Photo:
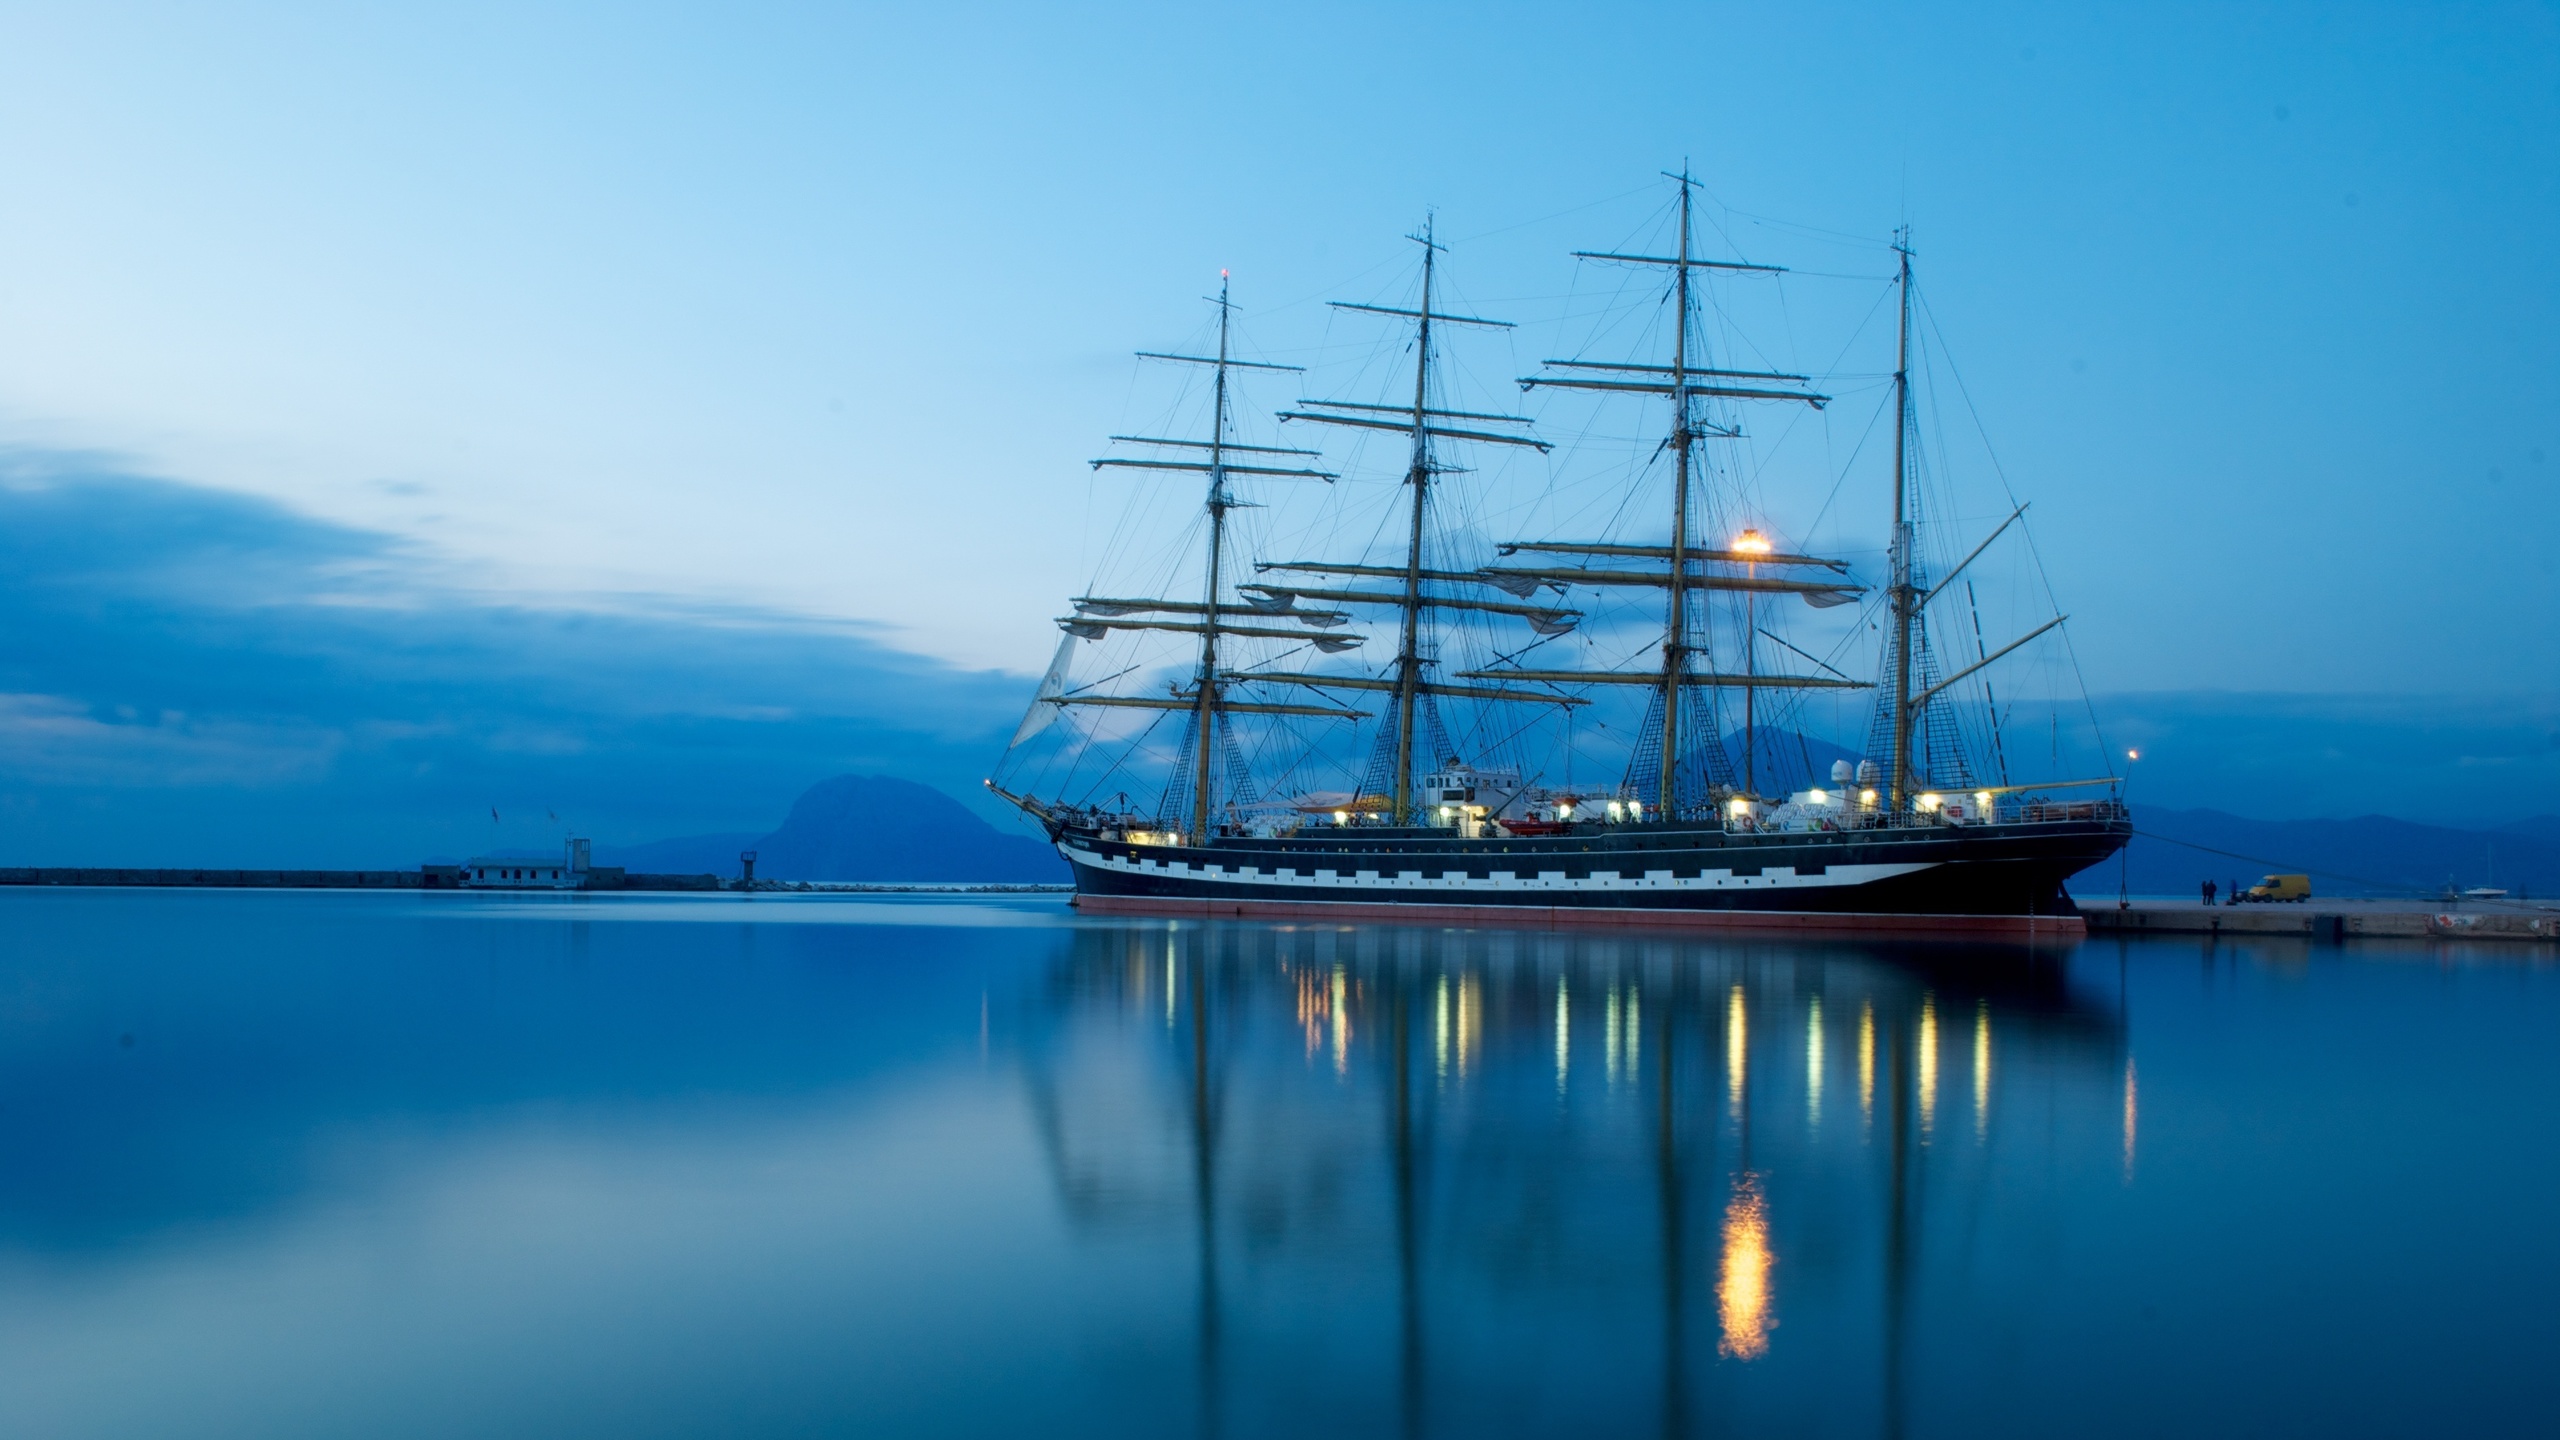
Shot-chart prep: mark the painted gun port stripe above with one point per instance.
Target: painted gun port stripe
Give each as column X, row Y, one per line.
column 1508, row 880
column 2034, row 929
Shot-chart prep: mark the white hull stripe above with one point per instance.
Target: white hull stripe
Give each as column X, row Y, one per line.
column 1773, row 877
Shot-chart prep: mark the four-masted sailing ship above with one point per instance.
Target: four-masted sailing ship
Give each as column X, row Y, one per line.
column 1906, row 838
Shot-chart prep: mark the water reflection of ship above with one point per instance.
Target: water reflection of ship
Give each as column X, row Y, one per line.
column 1513, row 1102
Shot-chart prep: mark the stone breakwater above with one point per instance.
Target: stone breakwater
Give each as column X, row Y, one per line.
column 431, row 877
column 2331, row 920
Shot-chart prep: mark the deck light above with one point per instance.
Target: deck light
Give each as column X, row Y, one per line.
column 1617, row 811
column 1564, row 812
column 1635, row 809
column 1820, row 797
column 1930, row 803
column 1752, row 542
column 1982, row 798
column 1341, row 817
column 1866, row 797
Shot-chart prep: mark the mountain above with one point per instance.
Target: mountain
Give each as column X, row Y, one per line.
column 871, row 827
column 859, row 827
column 1783, row 761
column 2367, row 855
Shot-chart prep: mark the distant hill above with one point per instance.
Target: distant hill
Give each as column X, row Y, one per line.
column 1782, row 761
column 2369, row 854
column 871, row 827
column 859, row 827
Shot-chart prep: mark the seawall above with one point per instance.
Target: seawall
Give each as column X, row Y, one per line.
column 2330, row 920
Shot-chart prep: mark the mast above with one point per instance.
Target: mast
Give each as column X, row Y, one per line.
column 1675, row 628
column 1409, row 646
column 1904, row 594
column 1099, row 616
column 1681, row 383
column 1750, row 692
column 1423, row 423
column 1207, row 685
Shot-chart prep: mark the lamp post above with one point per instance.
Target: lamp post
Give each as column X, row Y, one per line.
column 2124, row 857
column 1753, row 543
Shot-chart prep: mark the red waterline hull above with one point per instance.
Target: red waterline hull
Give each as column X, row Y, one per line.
column 1577, row 917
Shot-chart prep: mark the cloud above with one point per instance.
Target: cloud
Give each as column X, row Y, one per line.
column 201, row 677
column 66, row 742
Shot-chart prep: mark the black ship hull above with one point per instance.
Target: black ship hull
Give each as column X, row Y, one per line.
column 1995, row 877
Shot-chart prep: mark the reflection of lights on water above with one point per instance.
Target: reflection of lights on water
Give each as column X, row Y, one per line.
column 1168, row 982
column 1737, row 1047
column 2130, row 1091
column 1470, row 1022
column 1564, row 1032
column 1609, row 1036
column 1928, row 1061
column 1619, row 1042
column 1468, row 1028
column 1341, row 1022
column 1866, row 1061
column 1440, row 1029
column 1630, row 1020
column 1813, row 1062
column 1981, row 1069
column 1742, row 1289
column 1315, row 1010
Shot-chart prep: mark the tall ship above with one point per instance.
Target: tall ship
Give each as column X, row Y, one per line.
column 1255, row 732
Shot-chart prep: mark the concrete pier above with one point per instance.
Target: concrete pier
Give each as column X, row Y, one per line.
column 2332, row 919
column 430, row 877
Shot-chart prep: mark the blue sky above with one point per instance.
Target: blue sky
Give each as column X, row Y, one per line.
column 690, row 351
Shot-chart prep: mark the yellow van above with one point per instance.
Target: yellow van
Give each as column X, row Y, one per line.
column 2280, row 887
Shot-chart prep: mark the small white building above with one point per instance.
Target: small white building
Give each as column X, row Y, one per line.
column 519, row 872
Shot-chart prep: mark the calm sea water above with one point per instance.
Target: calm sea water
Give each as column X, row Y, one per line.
column 330, row 1165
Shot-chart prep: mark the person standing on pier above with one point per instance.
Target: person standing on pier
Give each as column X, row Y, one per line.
column 2208, row 894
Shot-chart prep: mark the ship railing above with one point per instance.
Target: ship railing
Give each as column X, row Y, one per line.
column 2030, row 812
column 2058, row 811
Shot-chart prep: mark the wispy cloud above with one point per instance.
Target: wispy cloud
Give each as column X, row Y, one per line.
column 199, row 676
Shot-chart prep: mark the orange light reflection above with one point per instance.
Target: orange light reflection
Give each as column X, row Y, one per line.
column 1742, row 1289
